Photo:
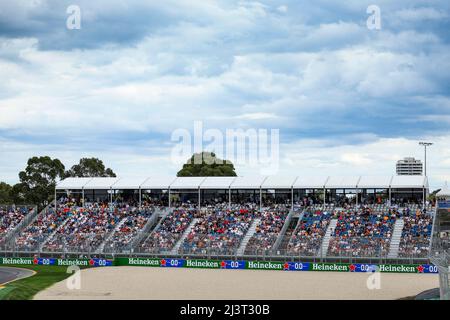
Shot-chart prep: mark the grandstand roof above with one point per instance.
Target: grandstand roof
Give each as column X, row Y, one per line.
column 158, row 183
column 377, row 182
column 72, row 183
column 248, row 182
column 409, row 182
column 342, row 182
column 278, row 182
column 187, row 183
column 445, row 191
column 131, row 183
column 217, row 182
column 100, row 183
column 315, row 182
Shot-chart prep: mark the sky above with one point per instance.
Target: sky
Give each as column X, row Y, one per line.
column 346, row 99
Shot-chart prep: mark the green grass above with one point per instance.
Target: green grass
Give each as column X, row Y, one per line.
column 26, row 289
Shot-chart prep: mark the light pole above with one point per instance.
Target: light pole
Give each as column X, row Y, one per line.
column 425, row 145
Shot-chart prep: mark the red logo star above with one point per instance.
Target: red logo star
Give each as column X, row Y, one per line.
column 420, row 269
column 163, row 262
column 35, row 261
column 91, row 262
column 352, row 268
column 223, row 264
column 286, row 266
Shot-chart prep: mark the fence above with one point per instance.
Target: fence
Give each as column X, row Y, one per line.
column 85, row 249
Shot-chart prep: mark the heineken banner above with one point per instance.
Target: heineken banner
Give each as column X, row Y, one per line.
column 224, row 264
column 271, row 265
column 56, row 262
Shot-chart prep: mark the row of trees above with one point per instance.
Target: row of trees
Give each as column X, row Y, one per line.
column 38, row 180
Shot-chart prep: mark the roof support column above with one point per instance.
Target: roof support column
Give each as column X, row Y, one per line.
column 229, row 197
column 424, row 198
column 292, row 198
column 170, row 202
column 82, row 191
column 140, row 197
column 199, row 205
column 390, row 196
column 260, row 199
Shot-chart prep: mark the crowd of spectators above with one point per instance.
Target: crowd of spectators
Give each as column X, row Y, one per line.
column 10, row 218
column 134, row 222
column 85, row 228
column 362, row 233
column 416, row 235
column 219, row 231
column 170, row 230
column 41, row 228
column 268, row 230
column 307, row 238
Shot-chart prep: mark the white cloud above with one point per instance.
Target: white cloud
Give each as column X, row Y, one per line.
column 420, row 14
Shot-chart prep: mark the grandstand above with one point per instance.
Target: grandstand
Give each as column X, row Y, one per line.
column 319, row 218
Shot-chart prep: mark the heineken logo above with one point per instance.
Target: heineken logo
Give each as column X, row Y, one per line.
column 329, row 267
column 23, row 261
column 202, row 264
column 266, row 265
column 143, row 262
column 76, row 262
column 400, row 268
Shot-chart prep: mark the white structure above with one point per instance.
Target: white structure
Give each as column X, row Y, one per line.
column 285, row 189
column 409, row 167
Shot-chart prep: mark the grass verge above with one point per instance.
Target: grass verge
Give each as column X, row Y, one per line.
column 26, row 289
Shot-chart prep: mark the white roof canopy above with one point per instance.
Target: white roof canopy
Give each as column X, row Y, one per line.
column 72, row 183
column 187, row 183
column 158, row 183
column 217, row 182
column 128, row 183
column 317, row 182
column 278, row 182
column 342, row 182
column 100, row 183
column 248, row 182
column 376, row 182
column 409, row 182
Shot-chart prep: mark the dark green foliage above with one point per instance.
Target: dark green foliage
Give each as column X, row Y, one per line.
column 90, row 167
column 206, row 164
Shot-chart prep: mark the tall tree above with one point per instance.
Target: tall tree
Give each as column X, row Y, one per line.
column 206, row 164
column 38, row 180
column 90, row 167
column 5, row 193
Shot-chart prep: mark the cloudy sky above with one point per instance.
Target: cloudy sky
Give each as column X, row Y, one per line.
column 346, row 100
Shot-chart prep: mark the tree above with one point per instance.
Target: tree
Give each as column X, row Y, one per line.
column 5, row 193
column 206, row 164
column 38, row 180
column 90, row 167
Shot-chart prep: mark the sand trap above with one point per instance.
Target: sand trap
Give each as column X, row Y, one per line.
column 161, row 283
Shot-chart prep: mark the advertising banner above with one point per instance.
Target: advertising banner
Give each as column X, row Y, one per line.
column 226, row 264
column 56, row 262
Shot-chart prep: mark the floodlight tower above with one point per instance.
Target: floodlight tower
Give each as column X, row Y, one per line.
column 425, row 145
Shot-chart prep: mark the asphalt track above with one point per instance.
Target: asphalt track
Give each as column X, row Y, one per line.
column 8, row 274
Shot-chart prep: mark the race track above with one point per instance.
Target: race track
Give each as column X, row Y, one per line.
column 161, row 283
column 8, row 274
